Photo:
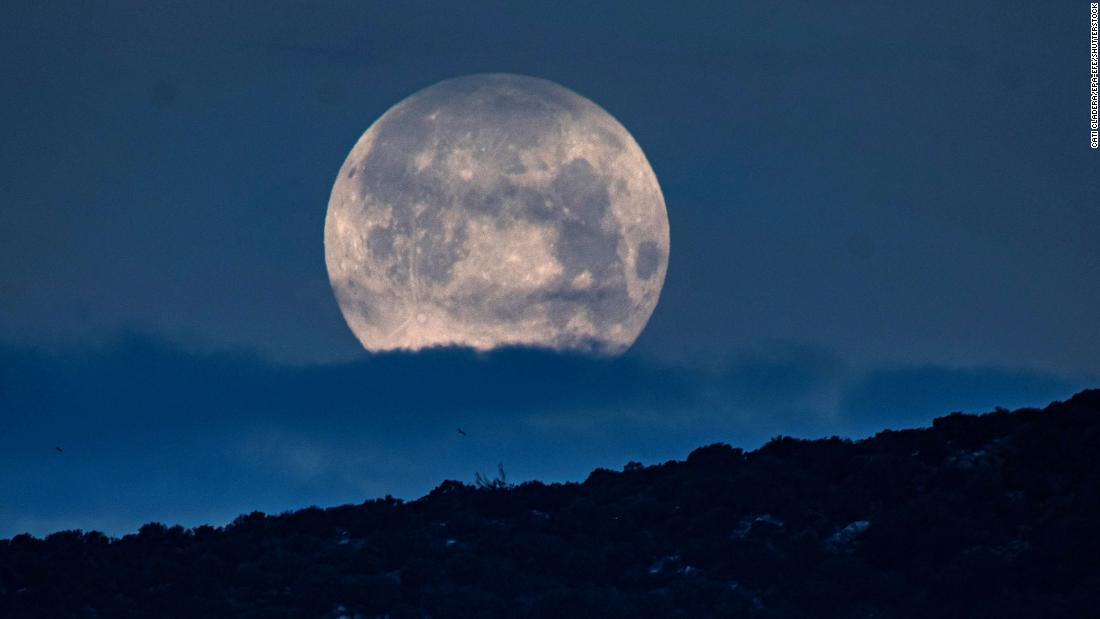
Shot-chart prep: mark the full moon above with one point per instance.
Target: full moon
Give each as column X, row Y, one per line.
column 496, row 210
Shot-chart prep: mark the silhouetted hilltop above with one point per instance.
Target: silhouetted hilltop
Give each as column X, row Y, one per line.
column 996, row 515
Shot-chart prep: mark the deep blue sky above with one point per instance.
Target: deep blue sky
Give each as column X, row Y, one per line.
column 880, row 212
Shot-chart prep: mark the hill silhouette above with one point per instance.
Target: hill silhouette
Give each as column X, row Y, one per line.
column 994, row 515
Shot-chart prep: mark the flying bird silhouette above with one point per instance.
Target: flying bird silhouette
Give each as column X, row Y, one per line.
column 461, row 431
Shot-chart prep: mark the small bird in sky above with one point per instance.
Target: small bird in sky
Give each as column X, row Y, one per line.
column 461, row 431
column 59, row 450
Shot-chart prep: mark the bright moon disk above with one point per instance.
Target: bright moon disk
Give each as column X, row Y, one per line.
column 496, row 210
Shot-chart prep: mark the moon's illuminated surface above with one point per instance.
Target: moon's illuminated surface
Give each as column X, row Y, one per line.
column 496, row 210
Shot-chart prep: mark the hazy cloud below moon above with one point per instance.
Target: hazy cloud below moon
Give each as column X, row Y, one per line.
column 496, row 210
column 152, row 432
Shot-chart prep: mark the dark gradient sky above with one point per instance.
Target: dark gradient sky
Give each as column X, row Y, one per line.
column 879, row 213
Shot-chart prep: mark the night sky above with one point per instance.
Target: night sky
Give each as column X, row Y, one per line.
column 879, row 213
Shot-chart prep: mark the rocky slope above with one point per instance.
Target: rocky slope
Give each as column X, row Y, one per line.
column 996, row 515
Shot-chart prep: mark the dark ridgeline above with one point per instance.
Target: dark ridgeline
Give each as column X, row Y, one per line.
column 996, row 515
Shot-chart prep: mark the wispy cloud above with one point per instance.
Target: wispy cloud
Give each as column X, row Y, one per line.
column 152, row 432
